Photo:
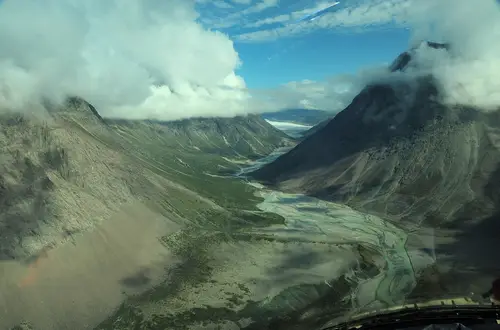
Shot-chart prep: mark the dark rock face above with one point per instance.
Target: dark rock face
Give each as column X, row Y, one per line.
column 397, row 151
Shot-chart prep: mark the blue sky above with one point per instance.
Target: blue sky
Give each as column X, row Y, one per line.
column 290, row 49
column 317, row 55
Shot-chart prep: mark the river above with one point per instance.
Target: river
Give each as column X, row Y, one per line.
column 328, row 222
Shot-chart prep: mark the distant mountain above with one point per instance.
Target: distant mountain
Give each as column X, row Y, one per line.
column 298, row 116
column 244, row 136
column 399, row 153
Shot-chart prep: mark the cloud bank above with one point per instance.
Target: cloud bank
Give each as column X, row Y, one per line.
column 138, row 59
column 152, row 59
column 333, row 94
column 130, row 58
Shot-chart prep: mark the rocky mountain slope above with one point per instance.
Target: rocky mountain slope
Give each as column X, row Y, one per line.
column 397, row 151
column 86, row 204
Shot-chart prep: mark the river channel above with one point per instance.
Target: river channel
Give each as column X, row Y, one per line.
column 322, row 221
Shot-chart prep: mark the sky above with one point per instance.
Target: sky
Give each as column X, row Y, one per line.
column 292, row 47
column 172, row 59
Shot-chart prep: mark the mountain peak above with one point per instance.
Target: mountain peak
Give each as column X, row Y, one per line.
column 78, row 104
column 75, row 107
column 403, row 61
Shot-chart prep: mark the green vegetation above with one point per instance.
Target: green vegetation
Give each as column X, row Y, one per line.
column 201, row 171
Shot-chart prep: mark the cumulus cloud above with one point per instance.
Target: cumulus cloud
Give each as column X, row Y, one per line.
column 131, row 58
column 333, row 94
column 470, row 72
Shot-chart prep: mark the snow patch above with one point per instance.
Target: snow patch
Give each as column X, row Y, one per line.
column 283, row 125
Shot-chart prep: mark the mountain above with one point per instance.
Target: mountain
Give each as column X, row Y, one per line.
column 397, row 151
column 298, row 116
column 246, row 136
column 87, row 204
column 431, row 169
column 75, row 152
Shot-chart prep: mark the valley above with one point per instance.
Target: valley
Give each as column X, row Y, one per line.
column 192, row 241
column 242, row 275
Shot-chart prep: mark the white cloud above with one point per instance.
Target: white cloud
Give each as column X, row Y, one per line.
column 333, row 94
column 269, row 20
column 470, row 72
column 240, row 16
column 260, row 6
column 364, row 14
column 150, row 58
column 131, row 58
